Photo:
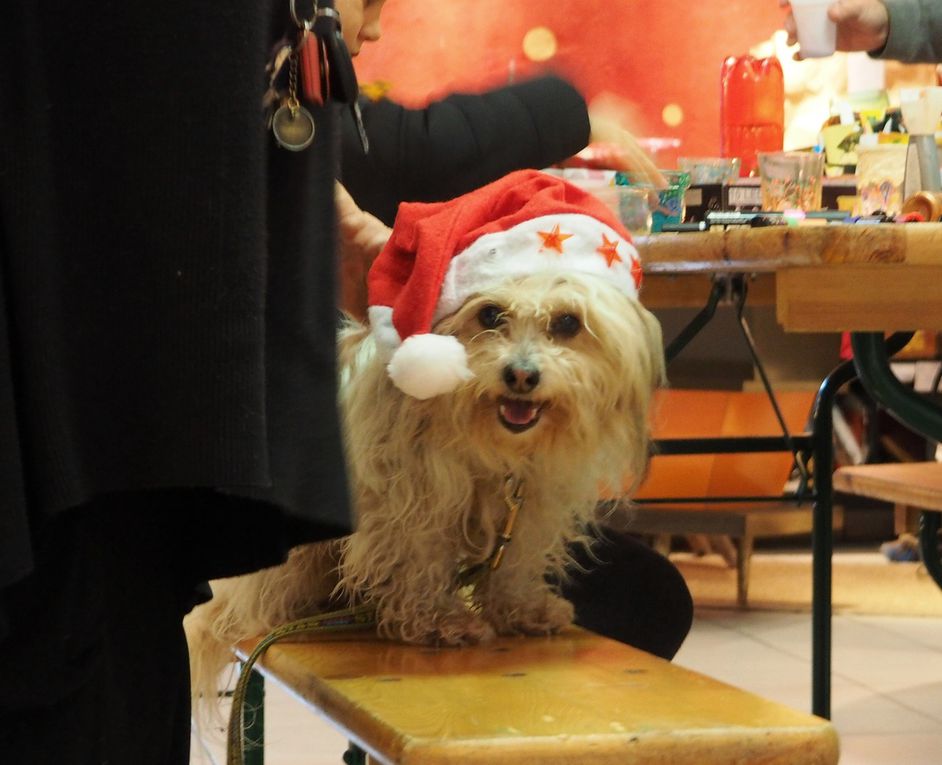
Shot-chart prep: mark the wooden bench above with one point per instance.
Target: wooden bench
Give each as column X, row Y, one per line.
column 907, row 485
column 572, row 699
column 916, row 484
column 689, row 478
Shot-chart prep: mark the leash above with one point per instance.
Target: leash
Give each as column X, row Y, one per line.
column 348, row 619
column 513, row 499
column 356, row 618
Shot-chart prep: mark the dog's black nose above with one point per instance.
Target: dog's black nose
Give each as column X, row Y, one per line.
column 522, row 377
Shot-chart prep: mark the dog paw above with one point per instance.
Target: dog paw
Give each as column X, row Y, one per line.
column 453, row 629
column 544, row 616
column 463, row 630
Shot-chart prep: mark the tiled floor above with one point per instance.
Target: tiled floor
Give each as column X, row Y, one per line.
column 886, row 687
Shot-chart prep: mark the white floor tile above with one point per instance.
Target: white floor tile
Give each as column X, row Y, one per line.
column 919, row 631
column 871, row 713
column 886, row 688
column 925, row 698
column 898, row 749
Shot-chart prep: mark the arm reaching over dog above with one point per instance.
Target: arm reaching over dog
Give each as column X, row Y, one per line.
column 459, row 142
column 467, row 140
column 361, row 236
column 610, row 119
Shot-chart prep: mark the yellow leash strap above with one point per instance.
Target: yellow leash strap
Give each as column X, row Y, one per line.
column 355, row 618
column 347, row 619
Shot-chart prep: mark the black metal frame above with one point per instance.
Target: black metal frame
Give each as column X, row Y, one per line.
column 871, row 366
column 733, row 289
column 253, row 717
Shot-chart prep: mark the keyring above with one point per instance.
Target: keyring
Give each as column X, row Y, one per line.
column 303, row 23
column 330, row 12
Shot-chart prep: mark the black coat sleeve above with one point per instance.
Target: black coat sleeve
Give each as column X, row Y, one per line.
column 459, row 143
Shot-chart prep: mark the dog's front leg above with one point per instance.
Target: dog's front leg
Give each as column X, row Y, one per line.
column 413, row 587
column 423, row 611
column 516, row 599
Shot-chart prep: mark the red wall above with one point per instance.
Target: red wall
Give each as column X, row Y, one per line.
column 653, row 53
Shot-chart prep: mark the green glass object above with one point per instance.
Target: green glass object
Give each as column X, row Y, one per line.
column 670, row 205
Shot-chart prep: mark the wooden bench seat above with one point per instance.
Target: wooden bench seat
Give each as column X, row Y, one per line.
column 917, row 484
column 910, row 485
column 572, row 699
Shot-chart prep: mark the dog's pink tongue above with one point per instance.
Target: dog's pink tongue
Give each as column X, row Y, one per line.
column 518, row 412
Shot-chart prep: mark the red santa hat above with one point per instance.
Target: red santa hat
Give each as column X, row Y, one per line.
column 441, row 254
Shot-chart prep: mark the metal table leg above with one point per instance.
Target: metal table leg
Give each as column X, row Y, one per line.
column 822, row 544
column 717, row 292
column 822, row 537
column 354, row 755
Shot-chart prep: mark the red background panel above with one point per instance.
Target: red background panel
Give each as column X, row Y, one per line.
column 651, row 53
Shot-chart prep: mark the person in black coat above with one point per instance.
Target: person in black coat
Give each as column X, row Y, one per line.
column 167, row 360
column 465, row 140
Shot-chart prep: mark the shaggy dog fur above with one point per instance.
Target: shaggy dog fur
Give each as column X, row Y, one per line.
column 564, row 367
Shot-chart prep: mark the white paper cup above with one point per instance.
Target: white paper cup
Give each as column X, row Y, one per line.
column 817, row 34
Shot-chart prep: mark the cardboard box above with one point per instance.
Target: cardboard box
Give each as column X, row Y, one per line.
column 744, row 195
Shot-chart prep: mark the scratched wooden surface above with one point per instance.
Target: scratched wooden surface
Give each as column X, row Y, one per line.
column 918, row 484
column 572, row 699
column 833, row 277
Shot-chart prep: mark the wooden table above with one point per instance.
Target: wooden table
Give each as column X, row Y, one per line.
column 572, row 699
column 864, row 279
column 828, row 278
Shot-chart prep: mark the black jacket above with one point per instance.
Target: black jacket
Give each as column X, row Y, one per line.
column 459, row 143
column 167, row 311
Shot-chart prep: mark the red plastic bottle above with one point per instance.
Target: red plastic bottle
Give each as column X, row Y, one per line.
column 752, row 109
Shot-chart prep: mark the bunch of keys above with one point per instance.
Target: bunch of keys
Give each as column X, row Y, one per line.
column 316, row 54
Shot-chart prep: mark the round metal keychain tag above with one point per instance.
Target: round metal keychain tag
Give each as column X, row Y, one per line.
column 293, row 127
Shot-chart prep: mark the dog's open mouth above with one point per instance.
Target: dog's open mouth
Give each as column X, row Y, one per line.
column 518, row 415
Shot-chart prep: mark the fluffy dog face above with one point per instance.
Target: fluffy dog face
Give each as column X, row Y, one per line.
column 559, row 361
column 564, row 368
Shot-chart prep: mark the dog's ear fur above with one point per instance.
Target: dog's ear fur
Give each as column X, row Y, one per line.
column 655, row 346
column 349, row 339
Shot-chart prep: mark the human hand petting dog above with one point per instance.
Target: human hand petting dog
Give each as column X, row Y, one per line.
column 610, row 120
column 361, row 236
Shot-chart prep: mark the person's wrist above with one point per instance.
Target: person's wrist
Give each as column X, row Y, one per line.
column 883, row 28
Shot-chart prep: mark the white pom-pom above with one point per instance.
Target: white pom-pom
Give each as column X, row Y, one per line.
column 429, row 365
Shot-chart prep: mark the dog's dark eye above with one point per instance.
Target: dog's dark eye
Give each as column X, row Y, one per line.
column 565, row 325
column 491, row 316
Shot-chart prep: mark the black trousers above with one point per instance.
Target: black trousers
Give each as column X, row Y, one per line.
column 629, row 592
column 94, row 665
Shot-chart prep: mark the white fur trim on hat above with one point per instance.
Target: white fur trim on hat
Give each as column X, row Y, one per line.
column 428, row 365
column 516, row 252
column 384, row 332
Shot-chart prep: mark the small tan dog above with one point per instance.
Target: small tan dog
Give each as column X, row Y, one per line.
column 508, row 366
